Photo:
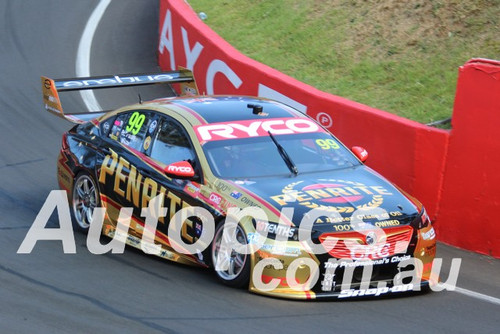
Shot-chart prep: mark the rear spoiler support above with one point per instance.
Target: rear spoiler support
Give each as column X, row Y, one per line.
column 52, row 87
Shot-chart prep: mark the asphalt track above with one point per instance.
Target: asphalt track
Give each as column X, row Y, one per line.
column 51, row 292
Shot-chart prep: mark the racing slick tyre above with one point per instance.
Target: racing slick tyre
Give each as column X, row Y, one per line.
column 234, row 267
column 84, row 199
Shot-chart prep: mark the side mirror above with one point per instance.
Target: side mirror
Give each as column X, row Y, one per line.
column 360, row 152
column 179, row 170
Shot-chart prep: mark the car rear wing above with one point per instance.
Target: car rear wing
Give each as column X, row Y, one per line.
column 52, row 87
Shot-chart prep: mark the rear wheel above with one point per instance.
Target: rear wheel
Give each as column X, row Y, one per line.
column 85, row 198
column 234, row 267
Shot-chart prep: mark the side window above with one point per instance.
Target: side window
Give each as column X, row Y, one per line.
column 171, row 143
column 106, row 126
column 134, row 129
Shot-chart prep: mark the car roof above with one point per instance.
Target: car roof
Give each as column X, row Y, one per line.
column 215, row 109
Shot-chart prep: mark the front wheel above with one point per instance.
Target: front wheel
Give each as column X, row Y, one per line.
column 84, row 199
column 231, row 266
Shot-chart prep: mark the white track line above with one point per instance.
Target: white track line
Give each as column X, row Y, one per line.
column 473, row 294
column 83, row 70
column 83, row 54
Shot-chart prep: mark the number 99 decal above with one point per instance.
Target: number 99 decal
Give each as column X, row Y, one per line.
column 327, row 144
column 135, row 123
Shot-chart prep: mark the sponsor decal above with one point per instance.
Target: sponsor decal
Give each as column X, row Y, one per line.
column 50, row 98
column 152, row 126
column 343, row 263
column 236, row 194
column 116, row 80
column 255, row 128
column 192, row 188
column 332, row 194
column 275, row 229
column 348, row 227
column 134, row 187
column 198, row 228
column 222, row 187
column 429, row 235
column 147, row 142
column 136, row 242
column 275, row 248
column 375, row 291
column 284, row 266
column 180, row 169
column 215, row 199
column 249, row 201
column 386, row 223
column 47, row 107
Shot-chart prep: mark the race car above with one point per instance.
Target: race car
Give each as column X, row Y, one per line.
column 248, row 186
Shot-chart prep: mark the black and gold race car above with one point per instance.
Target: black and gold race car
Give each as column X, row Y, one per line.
column 284, row 208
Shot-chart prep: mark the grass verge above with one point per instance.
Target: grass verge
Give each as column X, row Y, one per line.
column 398, row 56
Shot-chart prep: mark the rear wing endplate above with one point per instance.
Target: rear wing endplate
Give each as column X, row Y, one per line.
column 52, row 87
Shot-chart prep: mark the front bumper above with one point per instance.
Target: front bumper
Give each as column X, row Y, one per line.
column 346, row 278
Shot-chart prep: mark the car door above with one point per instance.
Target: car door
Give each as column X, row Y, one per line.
column 124, row 173
column 171, row 144
column 137, row 147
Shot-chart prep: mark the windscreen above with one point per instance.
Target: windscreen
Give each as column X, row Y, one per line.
column 259, row 156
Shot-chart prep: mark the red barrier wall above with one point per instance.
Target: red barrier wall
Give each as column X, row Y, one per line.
column 470, row 205
column 410, row 154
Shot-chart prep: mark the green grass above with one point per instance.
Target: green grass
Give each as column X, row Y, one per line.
column 402, row 57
